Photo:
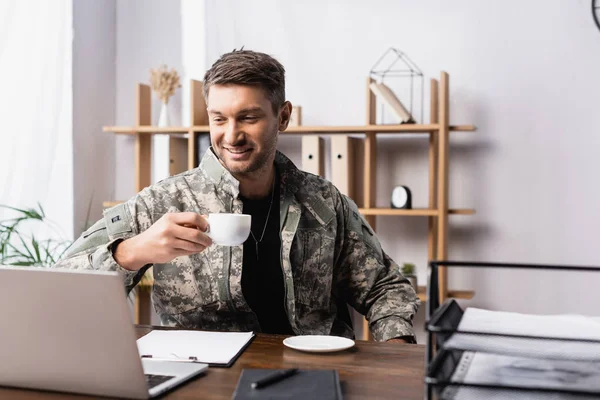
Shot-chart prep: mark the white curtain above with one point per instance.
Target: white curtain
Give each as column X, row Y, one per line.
column 36, row 157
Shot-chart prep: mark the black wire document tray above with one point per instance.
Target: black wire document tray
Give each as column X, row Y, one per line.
column 500, row 355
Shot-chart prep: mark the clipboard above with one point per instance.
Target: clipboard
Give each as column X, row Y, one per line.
column 195, row 346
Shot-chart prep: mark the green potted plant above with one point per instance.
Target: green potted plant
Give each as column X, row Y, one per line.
column 408, row 270
column 20, row 247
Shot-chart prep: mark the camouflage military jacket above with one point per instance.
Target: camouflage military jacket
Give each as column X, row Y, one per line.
column 329, row 256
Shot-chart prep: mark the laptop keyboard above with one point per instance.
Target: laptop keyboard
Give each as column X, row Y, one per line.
column 155, row 380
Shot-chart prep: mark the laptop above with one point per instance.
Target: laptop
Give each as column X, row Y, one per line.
column 71, row 331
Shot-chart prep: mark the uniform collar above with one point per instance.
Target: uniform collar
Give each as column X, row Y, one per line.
column 218, row 174
column 221, row 177
column 294, row 186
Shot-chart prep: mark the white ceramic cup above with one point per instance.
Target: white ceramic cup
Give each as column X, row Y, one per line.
column 229, row 229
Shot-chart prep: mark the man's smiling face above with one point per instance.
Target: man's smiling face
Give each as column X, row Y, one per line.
column 243, row 127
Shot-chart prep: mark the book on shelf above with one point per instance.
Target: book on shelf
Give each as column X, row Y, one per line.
column 347, row 166
column 313, row 155
column 385, row 94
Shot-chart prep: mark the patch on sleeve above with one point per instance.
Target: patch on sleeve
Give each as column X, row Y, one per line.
column 118, row 220
column 89, row 240
column 357, row 223
column 354, row 218
column 323, row 213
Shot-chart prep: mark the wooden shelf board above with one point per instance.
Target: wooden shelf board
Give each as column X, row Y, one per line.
column 415, row 212
column 463, row 128
column 147, row 283
column 463, row 211
column 294, row 130
column 421, row 291
column 404, row 128
column 456, row 294
column 132, row 130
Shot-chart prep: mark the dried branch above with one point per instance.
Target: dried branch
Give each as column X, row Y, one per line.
column 164, row 82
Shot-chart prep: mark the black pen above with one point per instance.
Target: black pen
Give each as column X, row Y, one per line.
column 274, row 377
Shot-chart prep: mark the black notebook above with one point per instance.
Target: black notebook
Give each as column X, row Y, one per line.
column 305, row 384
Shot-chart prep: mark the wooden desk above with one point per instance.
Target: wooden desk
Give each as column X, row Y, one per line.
column 370, row 370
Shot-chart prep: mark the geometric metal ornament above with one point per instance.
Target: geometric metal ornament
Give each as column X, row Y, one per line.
column 596, row 12
column 394, row 63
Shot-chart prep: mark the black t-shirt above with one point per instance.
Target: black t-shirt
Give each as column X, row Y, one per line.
column 262, row 276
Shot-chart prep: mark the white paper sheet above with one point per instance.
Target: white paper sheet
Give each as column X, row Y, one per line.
column 501, row 370
column 472, row 393
column 560, row 326
column 207, row 347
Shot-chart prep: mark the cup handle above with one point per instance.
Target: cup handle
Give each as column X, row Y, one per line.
column 207, row 231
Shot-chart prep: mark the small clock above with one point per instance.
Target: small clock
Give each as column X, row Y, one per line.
column 401, row 197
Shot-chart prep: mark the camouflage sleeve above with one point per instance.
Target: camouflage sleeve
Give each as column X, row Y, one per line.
column 94, row 248
column 370, row 280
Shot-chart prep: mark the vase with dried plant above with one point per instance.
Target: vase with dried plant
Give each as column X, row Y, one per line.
column 164, row 83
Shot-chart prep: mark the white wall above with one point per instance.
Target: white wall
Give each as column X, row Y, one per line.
column 193, row 49
column 94, row 94
column 524, row 72
column 148, row 35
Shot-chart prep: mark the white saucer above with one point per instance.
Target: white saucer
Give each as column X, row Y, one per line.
column 318, row 343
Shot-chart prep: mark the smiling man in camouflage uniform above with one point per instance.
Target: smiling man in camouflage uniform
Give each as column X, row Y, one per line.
column 310, row 252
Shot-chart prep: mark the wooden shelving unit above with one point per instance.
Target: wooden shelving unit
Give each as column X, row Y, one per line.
column 184, row 156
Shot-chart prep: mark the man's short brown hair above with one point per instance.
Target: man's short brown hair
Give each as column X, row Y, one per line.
column 246, row 67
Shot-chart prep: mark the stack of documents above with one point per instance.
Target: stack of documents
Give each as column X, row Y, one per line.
column 535, row 362
column 576, row 327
